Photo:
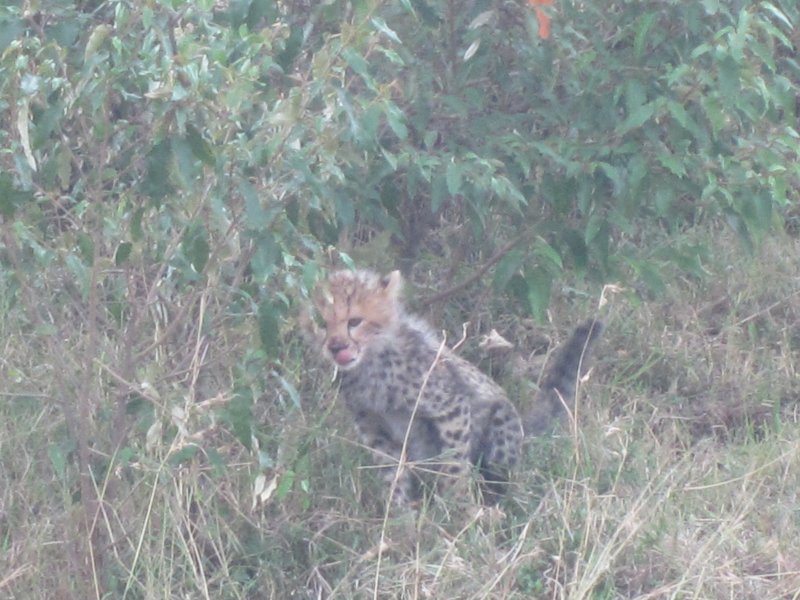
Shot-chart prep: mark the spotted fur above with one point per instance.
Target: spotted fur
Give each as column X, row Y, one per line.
column 406, row 390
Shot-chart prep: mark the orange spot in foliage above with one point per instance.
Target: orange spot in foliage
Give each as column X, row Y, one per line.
column 541, row 16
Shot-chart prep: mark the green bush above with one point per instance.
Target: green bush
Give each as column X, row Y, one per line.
column 175, row 175
column 262, row 133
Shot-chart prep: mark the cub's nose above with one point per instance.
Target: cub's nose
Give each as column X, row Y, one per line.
column 336, row 344
column 342, row 352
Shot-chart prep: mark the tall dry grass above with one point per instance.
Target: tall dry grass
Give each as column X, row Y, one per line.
column 125, row 474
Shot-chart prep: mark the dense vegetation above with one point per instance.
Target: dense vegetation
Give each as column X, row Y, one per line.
column 176, row 175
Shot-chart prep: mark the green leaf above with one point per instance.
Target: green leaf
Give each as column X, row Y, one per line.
column 715, row 113
column 508, row 266
column 122, row 253
column 544, row 250
column 156, row 183
column 740, row 227
column 256, row 216
column 453, row 177
column 539, row 282
column 778, row 14
column 184, row 455
column 638, row 170
column 46, row 123
column 10, row 197
column 126, row 456
column 429, row 16
column 67, row 31
column 80, row 273
column 345, row 210
column 381, row 26
column 643, row 27
column 664, row 200
column 637, row 118
column 239, row 413
column 729, row 79
column 96, row 39
column 292, row 392
column 757, row 209
column 614, row 175
column 672, row 163
column 395, row 118
column 195, row 246
column 285, row 485
column 598, row 239
column 186, row 167
column 200, row 147
column 266, row 256
column 86, row 248
column 357, row 62
column 321, row 228
column 593, row 227
column 680, row 115
column 217, row 462
column 651, row 278
column 57, row 459
column 291, row 48
column 269, row 314
column 577, row 247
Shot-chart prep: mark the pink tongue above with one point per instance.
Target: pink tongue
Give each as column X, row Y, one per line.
column 343, row 356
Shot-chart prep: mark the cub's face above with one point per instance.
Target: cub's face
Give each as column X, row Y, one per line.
column 359, row 310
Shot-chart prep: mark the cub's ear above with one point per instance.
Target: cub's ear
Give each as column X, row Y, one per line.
column 393, row 284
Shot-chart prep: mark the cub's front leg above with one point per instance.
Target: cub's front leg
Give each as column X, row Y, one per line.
column 401, row 482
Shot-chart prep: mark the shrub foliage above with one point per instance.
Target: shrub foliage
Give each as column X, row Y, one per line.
column 174, row 174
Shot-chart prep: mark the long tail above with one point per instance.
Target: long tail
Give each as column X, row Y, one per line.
column 558, row 384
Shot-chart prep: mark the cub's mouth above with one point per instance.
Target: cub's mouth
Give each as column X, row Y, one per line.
column 344, row 357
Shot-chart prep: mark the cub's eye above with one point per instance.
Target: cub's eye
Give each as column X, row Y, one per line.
column 355, row 322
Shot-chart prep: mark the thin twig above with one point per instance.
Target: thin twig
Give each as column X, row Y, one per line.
column 444, row 294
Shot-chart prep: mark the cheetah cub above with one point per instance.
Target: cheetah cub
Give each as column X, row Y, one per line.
column 408, row 393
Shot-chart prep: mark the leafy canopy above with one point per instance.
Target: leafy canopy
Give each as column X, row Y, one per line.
column 263, row 132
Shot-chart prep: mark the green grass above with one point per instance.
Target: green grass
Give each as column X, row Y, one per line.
column 209, row 471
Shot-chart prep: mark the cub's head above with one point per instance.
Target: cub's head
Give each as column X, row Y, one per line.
column 359, row 310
